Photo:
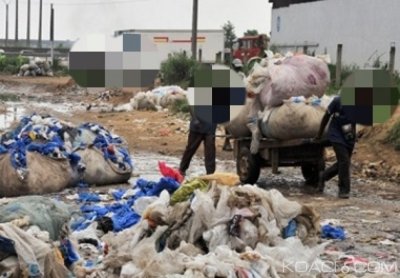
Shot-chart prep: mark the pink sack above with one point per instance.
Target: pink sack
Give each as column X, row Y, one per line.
column 299, row 75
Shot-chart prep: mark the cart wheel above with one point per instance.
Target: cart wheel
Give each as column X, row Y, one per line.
column 247, row 166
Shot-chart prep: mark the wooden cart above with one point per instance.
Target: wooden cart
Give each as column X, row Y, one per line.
column 273, row 153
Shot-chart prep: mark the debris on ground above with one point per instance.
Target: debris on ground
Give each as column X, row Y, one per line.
column 155, row 100
column 38, row 67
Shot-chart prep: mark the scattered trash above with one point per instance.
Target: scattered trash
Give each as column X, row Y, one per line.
column 331, row 232
column 387, row 242
column 38, row 67
column 185, row 191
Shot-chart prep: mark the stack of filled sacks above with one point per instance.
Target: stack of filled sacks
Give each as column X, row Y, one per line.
column 105, row 155
column 290, row 95
column 286, row 89
column 34, row 158
column 43, row 155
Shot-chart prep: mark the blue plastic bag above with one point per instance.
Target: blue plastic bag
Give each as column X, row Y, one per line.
column 89, row 197
column 331, row 232
column 124, row 217
column 290, row 229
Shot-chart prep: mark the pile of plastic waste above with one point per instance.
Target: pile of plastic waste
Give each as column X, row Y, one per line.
column 155, row 100
column 38, row 67
column 203, row 227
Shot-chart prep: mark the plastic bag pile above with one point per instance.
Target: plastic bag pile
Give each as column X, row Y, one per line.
column 206, row 229
column 194, row 228
column 38, row 67
column 155, row 100
column 43, row 154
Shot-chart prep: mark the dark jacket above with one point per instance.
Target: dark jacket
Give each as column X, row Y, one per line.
column 199, row 126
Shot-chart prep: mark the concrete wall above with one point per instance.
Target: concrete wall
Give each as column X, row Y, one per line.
column 366, row 28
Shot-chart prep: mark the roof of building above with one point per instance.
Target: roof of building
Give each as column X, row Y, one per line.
column 286, row 3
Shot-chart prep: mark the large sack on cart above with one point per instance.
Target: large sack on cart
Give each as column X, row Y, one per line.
column 104, row 154
column 296, row 118
column 298, row 75
column 42, row 175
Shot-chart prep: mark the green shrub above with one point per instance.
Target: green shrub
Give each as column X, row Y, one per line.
column 59, row 69
column 180, row 106
column 178, row 69
column 11, row 64
column 394, row 136
column 346, row 71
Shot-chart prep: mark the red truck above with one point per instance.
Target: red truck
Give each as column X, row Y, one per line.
column 248, row 47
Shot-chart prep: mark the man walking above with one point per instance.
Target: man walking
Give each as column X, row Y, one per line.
column 342, row 136
column 200, row 131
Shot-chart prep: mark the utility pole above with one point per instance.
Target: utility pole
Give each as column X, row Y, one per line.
column 194, row 29
column 52, row 33
column 40, row 23
column 6, row 23
column 28, row 30
column 16, row 20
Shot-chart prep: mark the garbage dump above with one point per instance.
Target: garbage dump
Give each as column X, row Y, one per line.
column 38, row 67
column 196, row 228
column 157, row 99
column 43, row 155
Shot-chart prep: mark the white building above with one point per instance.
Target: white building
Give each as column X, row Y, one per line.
column 366, row 28
column 209, row 42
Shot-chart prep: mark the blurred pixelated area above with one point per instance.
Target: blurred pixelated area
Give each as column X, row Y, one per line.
column 218, row 94
column 100, row 61
column 369, row 96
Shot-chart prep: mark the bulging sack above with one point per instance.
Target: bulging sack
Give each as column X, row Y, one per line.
column 294, row 119
column 100, row 171
column 43, row 174
column 299, row 75
column 238, row 126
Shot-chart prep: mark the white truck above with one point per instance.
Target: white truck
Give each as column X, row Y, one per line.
column 210, row 43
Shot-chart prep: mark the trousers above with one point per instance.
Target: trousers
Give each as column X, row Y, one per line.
column 194, row 141
column 341, row 167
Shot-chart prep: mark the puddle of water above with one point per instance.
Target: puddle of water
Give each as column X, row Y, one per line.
column 13, row 113
column 146, row 165
column 16, row 110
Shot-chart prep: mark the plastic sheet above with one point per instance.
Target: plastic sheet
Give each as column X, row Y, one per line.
column 48, row 214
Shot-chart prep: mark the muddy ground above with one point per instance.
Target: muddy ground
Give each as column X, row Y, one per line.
column 370, row 217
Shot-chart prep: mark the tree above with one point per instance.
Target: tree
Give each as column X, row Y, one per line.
column 251, row 32
column 229, row 34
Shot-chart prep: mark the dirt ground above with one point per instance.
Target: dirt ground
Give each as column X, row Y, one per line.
column 370, row 217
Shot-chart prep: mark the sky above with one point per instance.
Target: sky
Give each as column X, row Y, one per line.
column 75, row 18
